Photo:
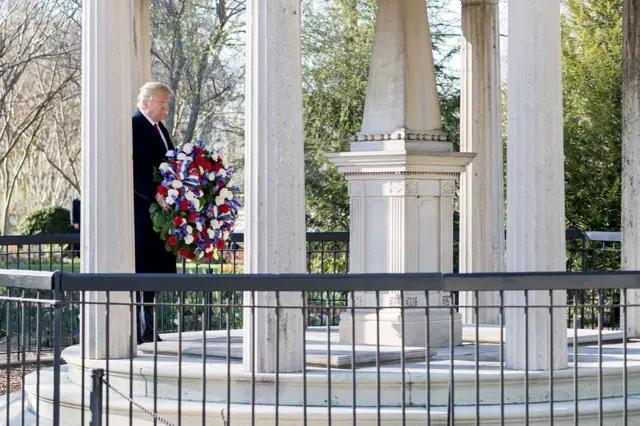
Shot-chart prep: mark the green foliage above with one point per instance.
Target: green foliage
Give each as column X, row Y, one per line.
column 48, row 220
column 336, row 42
column 592, row 78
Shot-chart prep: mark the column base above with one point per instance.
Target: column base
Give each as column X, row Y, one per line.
column 390, row 322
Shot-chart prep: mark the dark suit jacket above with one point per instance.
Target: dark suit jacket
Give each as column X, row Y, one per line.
column 148, row 153
column 75, row 211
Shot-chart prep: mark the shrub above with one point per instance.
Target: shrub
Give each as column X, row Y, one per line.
column 48, row 220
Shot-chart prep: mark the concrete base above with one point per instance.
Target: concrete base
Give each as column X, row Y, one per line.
column 392, row 333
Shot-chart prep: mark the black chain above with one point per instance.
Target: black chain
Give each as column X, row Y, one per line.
column 149, row 412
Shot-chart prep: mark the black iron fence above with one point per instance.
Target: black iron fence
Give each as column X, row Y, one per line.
column 327, row 253
column 411, row 376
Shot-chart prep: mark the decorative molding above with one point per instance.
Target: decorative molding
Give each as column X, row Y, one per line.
column 400, row 136
column 356, row 189
column 456, row 174
column 447, row 188
column 479, row 3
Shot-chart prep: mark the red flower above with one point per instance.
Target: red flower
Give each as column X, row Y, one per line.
column 178, row 221
column 203, row 234
column 206, row 165
column 220, row 244
column 223, row 209
column 199, row 151
column 191, row 255
column 208, row 255
column 184, row 205
column 171, row 240
column 199, row 160
column 216, row 167
column 182, row 252
column 192, row 217
column 162, row 190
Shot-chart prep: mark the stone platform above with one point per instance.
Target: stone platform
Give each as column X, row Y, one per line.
column 225, row 391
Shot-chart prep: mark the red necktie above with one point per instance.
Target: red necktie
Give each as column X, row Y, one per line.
column 158, row 129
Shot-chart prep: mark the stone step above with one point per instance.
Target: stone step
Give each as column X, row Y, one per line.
column 291, row 386
column 217, row 414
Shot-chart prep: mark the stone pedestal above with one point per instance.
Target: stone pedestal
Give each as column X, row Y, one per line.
column 274, row 183
column 631, row 158
column 107, row 172
column 482, row 187
column 401, row 221
column 535, row 182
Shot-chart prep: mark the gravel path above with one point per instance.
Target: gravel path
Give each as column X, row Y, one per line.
column 15, row 377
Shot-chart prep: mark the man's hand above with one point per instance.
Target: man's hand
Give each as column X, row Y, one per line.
column 161, row 201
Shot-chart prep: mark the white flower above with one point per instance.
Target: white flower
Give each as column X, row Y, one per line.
column 209, row 248
column 225, row 235
column 215, row 224
column 201, row 255
column 196, row 204
column 222, row 171
column 211, row 233
column 190, row 196
column 170, row 200
column 189, row 230
column 164, row 167
column 173, row 193
column 219, row 200
column 225, row 193
column 182, row 156
column 201, row 169
column 188, row 239
column 176, row 184
column 170, row 154
column 199, row 226
column 211, row 176
column 187, row 148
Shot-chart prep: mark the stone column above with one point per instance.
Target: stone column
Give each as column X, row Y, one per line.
column 107, row 182
column 631, row 155
column 274, row 181
column 141, row 48
column 402, row 175
column 482, row 187
column 535, row 182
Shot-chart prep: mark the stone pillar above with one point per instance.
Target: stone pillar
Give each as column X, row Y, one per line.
column 141, row 48
column 482, row 187
column 631, row 156
column 402, row 175
column 535, row 182
column 107, row 173
column 274, row 181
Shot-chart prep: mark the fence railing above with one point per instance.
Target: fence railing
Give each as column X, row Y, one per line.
column 327, row 253
column 191, row 378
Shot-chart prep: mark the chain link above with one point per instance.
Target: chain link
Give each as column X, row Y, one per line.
column 149, row 412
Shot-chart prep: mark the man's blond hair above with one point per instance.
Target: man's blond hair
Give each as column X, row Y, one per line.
column 153, row 88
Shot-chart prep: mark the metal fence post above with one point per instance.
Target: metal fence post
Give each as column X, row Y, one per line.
column 96, row 397
column 57, row 345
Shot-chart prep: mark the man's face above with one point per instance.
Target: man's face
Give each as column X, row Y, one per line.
column 157, row 106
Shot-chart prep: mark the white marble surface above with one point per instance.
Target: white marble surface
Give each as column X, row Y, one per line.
column 274, row 179
column 631, row 158
column 535, row 181
column 107, row 181
column 482, row 242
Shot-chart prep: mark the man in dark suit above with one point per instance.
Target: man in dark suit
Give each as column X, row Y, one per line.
column 151, row 141
column 75, row 221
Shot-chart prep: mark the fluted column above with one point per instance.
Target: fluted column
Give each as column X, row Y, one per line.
column 274, row 182
column 482, row 187
column 535, row 183
column 107, row 182
column 631, row 156
column 141, row 47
